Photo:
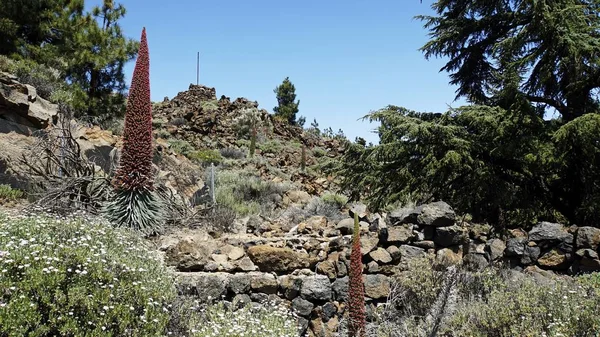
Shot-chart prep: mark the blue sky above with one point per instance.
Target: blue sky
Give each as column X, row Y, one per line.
column 346, row 58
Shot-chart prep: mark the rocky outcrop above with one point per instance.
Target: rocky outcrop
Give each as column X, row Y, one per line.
column 21, row 109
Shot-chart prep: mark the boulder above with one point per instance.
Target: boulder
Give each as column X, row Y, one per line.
column 554, row 259
column 450, row 236
column 239, row 283
column 495, row 248
column 437, row 214
column 302, row 307
column 548, row 231
column 316, row 288
column 340, row 289
column 398, row 234
column 381, row 255
column 189, row 255
column 368, row 242
column 273, row 259
column 515, row 246
column 376, row 286
column 588, row 237
column 263, row 283
column 206, row 286
column 530, row 254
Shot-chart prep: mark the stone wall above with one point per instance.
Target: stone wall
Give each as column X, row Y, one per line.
column 307, row 265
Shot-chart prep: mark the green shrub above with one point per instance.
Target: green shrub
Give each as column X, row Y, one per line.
column 211, row 105
column 530, row 308
column 7, row 64
column 338, row 200
column 262, row 321
column 79, row 277
column 490, row 302
column 181, row 146
column 246, row 193
column 7, row 193
column 319, row 152
column 206, row 156
column 164, row 134
column 271, row 146
column 46, row 80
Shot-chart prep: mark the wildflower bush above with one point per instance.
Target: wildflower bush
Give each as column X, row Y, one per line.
column 491, row 302
column 249, row 321
column 77, row 277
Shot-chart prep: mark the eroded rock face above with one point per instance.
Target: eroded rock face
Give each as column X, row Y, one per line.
column 21, row 109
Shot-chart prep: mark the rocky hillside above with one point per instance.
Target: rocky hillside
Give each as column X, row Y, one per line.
column 281, row 234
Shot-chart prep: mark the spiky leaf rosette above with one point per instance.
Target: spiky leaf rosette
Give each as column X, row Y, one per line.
column 135, row 164
column 356, row 290
column 139, row 210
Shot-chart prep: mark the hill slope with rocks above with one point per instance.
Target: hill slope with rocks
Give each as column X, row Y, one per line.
column 279, row 232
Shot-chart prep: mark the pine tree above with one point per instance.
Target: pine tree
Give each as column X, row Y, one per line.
column 286, row 95
column 356, row 288
column 136, row 206
column 88, row 49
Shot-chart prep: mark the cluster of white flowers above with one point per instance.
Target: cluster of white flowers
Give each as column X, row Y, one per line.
column 43, row 253
column 269, row 320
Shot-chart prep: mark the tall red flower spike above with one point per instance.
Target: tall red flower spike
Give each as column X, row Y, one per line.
column 135, row 165
column 356, row 289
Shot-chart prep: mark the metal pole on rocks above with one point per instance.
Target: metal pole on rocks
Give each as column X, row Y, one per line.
column 212, row 184
column 198, row 69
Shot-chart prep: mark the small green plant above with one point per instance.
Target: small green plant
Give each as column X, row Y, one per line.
column 206, row 156
column 272, row 146
column 7, row 193
column 246, row 193
column 79, row 277
column 250, row 123
column 180, row 146
column 338, row 200
column 211, row 105
column 319, row 152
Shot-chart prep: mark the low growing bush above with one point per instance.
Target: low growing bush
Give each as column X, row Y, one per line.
column 205, row 157
column 257, row 321
column 78, row 277
column 8, row 194
column 490, row 302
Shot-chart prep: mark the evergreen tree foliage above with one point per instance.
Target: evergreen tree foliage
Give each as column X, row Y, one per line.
column 483, row 160
column 356, row 287
column 543, row 51
column 499, row 159
column 136, row 206
column 87, row 49
column 286, row 95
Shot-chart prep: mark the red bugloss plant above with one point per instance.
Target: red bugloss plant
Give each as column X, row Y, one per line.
column 135, row 204
column 135, row 166
column 356, row 290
